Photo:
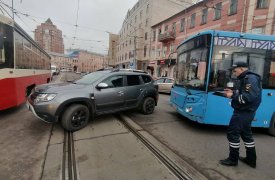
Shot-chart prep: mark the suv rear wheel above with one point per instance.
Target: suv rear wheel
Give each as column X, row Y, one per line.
column 75, row 117
column 148, row 105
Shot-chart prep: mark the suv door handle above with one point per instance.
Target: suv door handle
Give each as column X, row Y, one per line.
column 120, row 93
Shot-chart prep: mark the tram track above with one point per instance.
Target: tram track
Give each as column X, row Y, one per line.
column 178, row 171
column 69, row 171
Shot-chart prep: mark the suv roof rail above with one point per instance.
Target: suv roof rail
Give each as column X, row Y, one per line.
column 104, row 69
column 130, row 70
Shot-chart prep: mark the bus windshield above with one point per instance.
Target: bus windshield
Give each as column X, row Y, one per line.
column 192, row 63
column 260, row 61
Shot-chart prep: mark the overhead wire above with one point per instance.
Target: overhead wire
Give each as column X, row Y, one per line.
column 33, row 18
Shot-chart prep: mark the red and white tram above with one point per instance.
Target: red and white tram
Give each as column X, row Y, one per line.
column 23, row 64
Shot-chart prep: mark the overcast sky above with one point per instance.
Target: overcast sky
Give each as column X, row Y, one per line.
column 95, row 17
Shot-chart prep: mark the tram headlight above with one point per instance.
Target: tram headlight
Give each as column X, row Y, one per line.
column 44, row 97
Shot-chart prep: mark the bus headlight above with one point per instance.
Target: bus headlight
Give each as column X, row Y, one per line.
column 44, row 97
column 189, row 109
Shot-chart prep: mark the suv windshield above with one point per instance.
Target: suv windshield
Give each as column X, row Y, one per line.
column 91, row 78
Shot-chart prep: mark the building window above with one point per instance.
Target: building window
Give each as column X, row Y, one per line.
column 171, row 48
column 262, row 3
column 193, row 20
column 145, row 48
column 145, row 36
column 146, row 23
column 174, row 27
column 258, row 30
column 154, row 35
column 135, row 18
column 233, row 7
column 182, row 24
column 166, row 28
column 159, row 30
column 147, row 8
column 204, row 16
column 164, row 49
column 140, row 14
column 218, row 11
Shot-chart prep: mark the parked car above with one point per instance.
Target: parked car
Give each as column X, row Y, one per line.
column 100, row 92
column 165, row 84
column 54, row 70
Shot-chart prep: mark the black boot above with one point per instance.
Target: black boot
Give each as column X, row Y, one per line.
column 248, row 162
column 228, row 162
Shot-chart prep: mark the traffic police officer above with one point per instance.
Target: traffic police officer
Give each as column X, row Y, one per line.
column 246, row 98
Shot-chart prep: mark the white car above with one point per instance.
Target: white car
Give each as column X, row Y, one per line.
column 165, row 84
column 54, row 70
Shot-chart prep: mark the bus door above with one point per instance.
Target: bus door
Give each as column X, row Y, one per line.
column 188, row 95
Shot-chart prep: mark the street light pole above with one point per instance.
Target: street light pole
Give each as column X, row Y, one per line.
column 135, row 53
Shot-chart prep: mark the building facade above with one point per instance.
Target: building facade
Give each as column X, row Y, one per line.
column 62, row 61
column 249, row 16
column 78, row 61
column 90, row 62
column 134, row 40
column 111, row 61
column 49, row 37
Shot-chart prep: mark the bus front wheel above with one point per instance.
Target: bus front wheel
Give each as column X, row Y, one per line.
column 271, row 129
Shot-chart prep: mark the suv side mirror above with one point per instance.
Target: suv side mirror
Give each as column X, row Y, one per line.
column 102, row 86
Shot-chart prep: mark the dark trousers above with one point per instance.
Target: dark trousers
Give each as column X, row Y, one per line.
column 240, row 126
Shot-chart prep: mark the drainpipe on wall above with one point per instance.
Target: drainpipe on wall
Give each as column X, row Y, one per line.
column 243, row 16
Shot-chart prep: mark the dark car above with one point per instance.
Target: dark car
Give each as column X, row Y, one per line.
column 100, row 92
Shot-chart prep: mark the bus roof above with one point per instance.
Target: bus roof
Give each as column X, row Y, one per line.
column 234, row 35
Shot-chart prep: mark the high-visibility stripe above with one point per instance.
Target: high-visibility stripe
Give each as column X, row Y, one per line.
column 234, row 144
column 249, row 143
column 241, row 96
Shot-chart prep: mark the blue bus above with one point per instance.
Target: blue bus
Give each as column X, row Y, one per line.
column 202, row 72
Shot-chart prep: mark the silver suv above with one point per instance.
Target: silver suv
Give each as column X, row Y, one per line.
column 100, row 92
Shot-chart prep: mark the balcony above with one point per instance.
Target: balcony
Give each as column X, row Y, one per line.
column 167, row 36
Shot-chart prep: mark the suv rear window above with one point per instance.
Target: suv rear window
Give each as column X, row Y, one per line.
column 146, row 79
column 133, row 80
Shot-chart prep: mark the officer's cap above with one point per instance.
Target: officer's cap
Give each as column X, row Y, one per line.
column 238, row 64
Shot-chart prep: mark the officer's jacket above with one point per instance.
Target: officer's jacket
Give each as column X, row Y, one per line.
column 248, row 95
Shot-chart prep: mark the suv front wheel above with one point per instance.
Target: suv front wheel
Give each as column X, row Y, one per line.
column 75, row 117
column 148, row 105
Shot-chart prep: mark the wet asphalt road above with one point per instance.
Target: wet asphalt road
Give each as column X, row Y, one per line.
column 25, row 142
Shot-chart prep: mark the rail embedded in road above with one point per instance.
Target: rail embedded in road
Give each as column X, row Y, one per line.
column 68, row 160
column 186, row 172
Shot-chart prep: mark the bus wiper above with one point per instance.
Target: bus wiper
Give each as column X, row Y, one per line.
column 186, row 88
column 70, row 81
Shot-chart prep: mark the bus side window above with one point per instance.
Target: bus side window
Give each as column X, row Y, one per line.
column 272, row 75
